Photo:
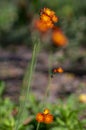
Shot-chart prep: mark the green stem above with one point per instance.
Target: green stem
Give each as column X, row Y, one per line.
column 37, row 126
column 47, row 92
column 46, row 95
column 26, row 85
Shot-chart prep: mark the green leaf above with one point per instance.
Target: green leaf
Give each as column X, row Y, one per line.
column 60, row 122
column 2, row 87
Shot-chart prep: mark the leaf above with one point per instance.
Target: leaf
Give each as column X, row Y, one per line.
column 60, row 122
column 2, row 87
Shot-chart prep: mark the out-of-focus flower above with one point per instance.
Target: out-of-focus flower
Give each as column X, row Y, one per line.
column 46, row 111
column 82, row 98
column 57, row 70
column 40, row 117
column 45, row 117
column 58, row 38
column 41, row 26
column 48, row 118
column 60, row 70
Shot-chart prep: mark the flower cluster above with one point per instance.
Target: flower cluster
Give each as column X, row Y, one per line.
column 45, row 117
column 45, row 23
column 47, row 20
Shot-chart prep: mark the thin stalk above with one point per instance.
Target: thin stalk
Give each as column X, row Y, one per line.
column 37, row 126
column 46, row 95
column 44, row 103
column 47, row 92
column 26, row 85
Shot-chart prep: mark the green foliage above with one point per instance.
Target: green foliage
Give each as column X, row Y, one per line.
column 66, row 115
column 6, row 119
column 7, row 15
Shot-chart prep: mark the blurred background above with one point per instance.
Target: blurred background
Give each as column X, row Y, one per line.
column 16, row 28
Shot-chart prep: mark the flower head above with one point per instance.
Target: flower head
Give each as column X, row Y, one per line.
column 54, row 19
column 47, row 20
column 40, row 117
column 48, row 12
column 58, row 38
column 48, row 118
column 45, row 117
column 41, row 26
column 58, row 70
column 46, row 111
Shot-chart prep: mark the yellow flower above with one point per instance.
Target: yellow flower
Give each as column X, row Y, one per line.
column 82, row 98
column 46, row 111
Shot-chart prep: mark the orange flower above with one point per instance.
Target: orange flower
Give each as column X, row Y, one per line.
column 40, row 117
column 54, row 19
column 57, row 70
column 48, row 12
column 45, row 18
column 60, row 70
column 45, row 117
column 58, row 38
column 41, row 26
column 48, row 118
column 50, row 24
